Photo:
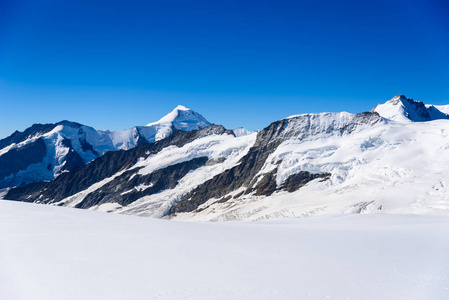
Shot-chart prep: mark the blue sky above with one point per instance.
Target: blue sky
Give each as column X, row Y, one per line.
column 116, row 64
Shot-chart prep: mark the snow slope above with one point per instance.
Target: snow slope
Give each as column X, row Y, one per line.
column 61, row 253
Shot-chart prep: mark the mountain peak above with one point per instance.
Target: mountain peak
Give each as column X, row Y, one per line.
column 402, row 109
column 182, row 118
column 181, row 107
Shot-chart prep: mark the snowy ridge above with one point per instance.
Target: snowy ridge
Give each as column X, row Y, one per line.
column 404, row 110
column 69, row 144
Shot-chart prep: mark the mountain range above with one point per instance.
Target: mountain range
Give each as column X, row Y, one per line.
column 44, row 151
column 391, row 159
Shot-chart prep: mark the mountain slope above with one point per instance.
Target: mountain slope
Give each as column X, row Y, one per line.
column 66, row 145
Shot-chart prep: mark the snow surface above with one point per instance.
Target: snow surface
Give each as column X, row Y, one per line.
column 49, row 252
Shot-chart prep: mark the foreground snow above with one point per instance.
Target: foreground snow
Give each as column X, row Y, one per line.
column 51, row 252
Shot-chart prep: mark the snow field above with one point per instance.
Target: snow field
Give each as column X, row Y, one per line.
column 49, row 252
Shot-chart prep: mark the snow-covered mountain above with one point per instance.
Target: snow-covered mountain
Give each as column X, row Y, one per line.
column 44, row 151
column 403, row 109
column 391, row 159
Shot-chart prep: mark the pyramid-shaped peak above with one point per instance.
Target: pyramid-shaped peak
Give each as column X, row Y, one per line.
column 402, row 97
column 403, row 109
column 183, row 118
column 398, row 99
column 181, row 107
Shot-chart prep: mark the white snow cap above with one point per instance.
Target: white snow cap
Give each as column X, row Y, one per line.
column 183, row 118
column 405, row 110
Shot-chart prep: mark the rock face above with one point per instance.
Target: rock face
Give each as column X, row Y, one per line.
column 128, row 187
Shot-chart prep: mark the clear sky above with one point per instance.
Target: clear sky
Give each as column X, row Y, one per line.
column 116, row 64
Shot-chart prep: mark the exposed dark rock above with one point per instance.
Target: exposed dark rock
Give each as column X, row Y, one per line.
column 296, row 181
column 267, row 185
column 66, row 143
column 236, row 196
column 130, row 186
column 72, row 161
column 224, row 199
column 85, row 146
column 141, row 140
column 212, row 162
column 18, row 193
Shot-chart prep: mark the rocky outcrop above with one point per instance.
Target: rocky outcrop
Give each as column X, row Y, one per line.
column 131, row 186
column 296, row 181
